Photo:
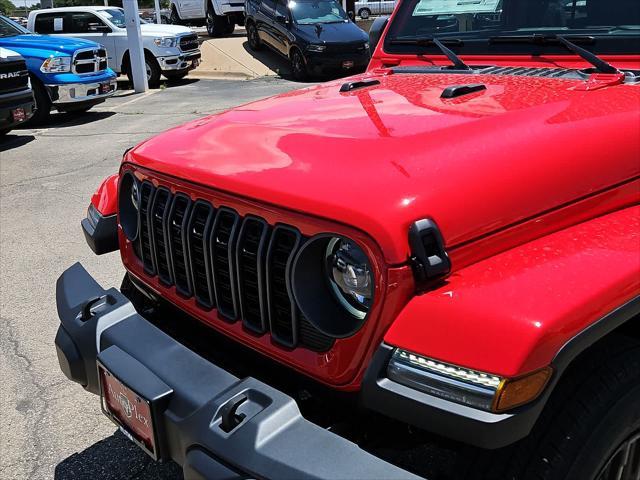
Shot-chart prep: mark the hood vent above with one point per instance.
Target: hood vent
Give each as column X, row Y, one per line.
column 527, row 71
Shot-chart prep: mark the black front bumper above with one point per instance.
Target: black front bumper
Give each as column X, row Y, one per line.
column 273, row 440
column 332, row 63
column 11, row 101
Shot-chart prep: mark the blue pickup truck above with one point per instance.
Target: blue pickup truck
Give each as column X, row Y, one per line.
column 68, row 74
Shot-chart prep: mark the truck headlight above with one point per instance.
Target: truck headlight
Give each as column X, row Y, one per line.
column 168, row 42
column 349, row 275
column 61, row 64
column 316, row 48
column 333, row 282
column 462, row 385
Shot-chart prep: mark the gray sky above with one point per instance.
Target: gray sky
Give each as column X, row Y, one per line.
column 20, row 3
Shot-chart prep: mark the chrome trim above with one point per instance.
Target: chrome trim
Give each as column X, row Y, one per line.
column 78, row 92
column 96, row 60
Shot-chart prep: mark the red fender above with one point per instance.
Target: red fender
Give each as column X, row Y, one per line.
column 105, row 199
column 510, row 314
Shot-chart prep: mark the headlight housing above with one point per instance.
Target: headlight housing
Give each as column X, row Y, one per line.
column 167, row 42
column 61, row 64
column 333, row 283
column 349, row 274
column 128, row 203
column 316, row 48
column 469, row 387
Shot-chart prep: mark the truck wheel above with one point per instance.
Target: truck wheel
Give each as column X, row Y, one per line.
column 153, row 71
column 298, row 66
column 42, row 103
column 175, row 18
column 589, row 429
column 253, row 37
column 364, row 13
column 217, row 25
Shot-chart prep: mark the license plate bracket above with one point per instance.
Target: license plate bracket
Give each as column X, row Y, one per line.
column 18, row 115
column 134, row 399
column 105, row 88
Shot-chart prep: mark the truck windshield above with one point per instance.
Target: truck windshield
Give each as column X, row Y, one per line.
column 308, row 12
column 9, row 28
column 116, row 16
column 507, row 26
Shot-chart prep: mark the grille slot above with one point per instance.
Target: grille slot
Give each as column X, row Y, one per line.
column 222, row 243
column 198, row 241
column 177, row 226
column 158, row 223
column 238, row 265
column 252, row 243
column 282, row 310
column 146, row 196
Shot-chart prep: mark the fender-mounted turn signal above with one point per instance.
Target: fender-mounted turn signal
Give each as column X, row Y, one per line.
column 518, row 391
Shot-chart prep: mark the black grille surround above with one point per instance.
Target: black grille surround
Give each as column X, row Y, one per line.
column 13, row 76
column 238, row 265
column 188, row 43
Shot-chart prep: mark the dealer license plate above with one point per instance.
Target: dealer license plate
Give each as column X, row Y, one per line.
column 130, row 411
column 105, row 88
column 19, row 115
column 347, row 64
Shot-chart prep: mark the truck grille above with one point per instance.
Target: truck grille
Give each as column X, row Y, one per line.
column 13, row 76
column 189, row 43
column 90, row 61
column 237, row 265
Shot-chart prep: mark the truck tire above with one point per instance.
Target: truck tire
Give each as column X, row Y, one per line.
column 218, row 25
column 42, row 103
column 175, row 19
column 298, row 66
column 153, row 71
column 253, row 37
column 590, row 425
column 364, row 13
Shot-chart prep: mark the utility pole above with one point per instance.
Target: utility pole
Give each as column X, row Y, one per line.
column 158, row 16
column 134, row 40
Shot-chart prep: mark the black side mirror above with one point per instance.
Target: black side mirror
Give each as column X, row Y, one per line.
column 375, row 32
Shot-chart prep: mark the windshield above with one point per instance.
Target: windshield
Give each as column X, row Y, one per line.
column 308, row 12
column 116, row 16
column 606, row 26
column 9, row 28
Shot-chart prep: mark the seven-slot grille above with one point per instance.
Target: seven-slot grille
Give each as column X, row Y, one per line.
column 238, row 265
column 13, row 76
column 189, row 43
column 90, row 61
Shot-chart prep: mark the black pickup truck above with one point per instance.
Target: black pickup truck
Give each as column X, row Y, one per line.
column 16, row 99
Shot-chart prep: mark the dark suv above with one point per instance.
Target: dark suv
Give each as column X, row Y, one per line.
column 316, row 36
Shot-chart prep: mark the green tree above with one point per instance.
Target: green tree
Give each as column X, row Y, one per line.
column 6, row 7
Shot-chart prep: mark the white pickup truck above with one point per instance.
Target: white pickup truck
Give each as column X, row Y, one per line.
column 219, row 16
column 170, row 50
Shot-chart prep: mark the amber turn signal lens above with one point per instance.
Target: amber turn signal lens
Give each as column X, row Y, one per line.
column 518, row 391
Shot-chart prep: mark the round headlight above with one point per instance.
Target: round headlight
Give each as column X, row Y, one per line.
column 350, row 276
column 128, row 202
column 333, row 283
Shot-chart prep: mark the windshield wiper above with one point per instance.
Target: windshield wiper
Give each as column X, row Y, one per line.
column 599, row 64
column 428, row 41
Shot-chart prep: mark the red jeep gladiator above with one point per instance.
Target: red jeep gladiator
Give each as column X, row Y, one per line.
column 430, row 269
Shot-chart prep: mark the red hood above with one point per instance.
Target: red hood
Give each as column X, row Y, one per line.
column 383, row 156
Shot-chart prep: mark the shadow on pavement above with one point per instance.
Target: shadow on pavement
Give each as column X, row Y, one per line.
column 9, row 141
column 58, row 119
column 271, row 59
column 115, row 457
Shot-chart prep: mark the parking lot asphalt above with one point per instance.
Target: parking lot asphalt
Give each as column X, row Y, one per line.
column 50, row 427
